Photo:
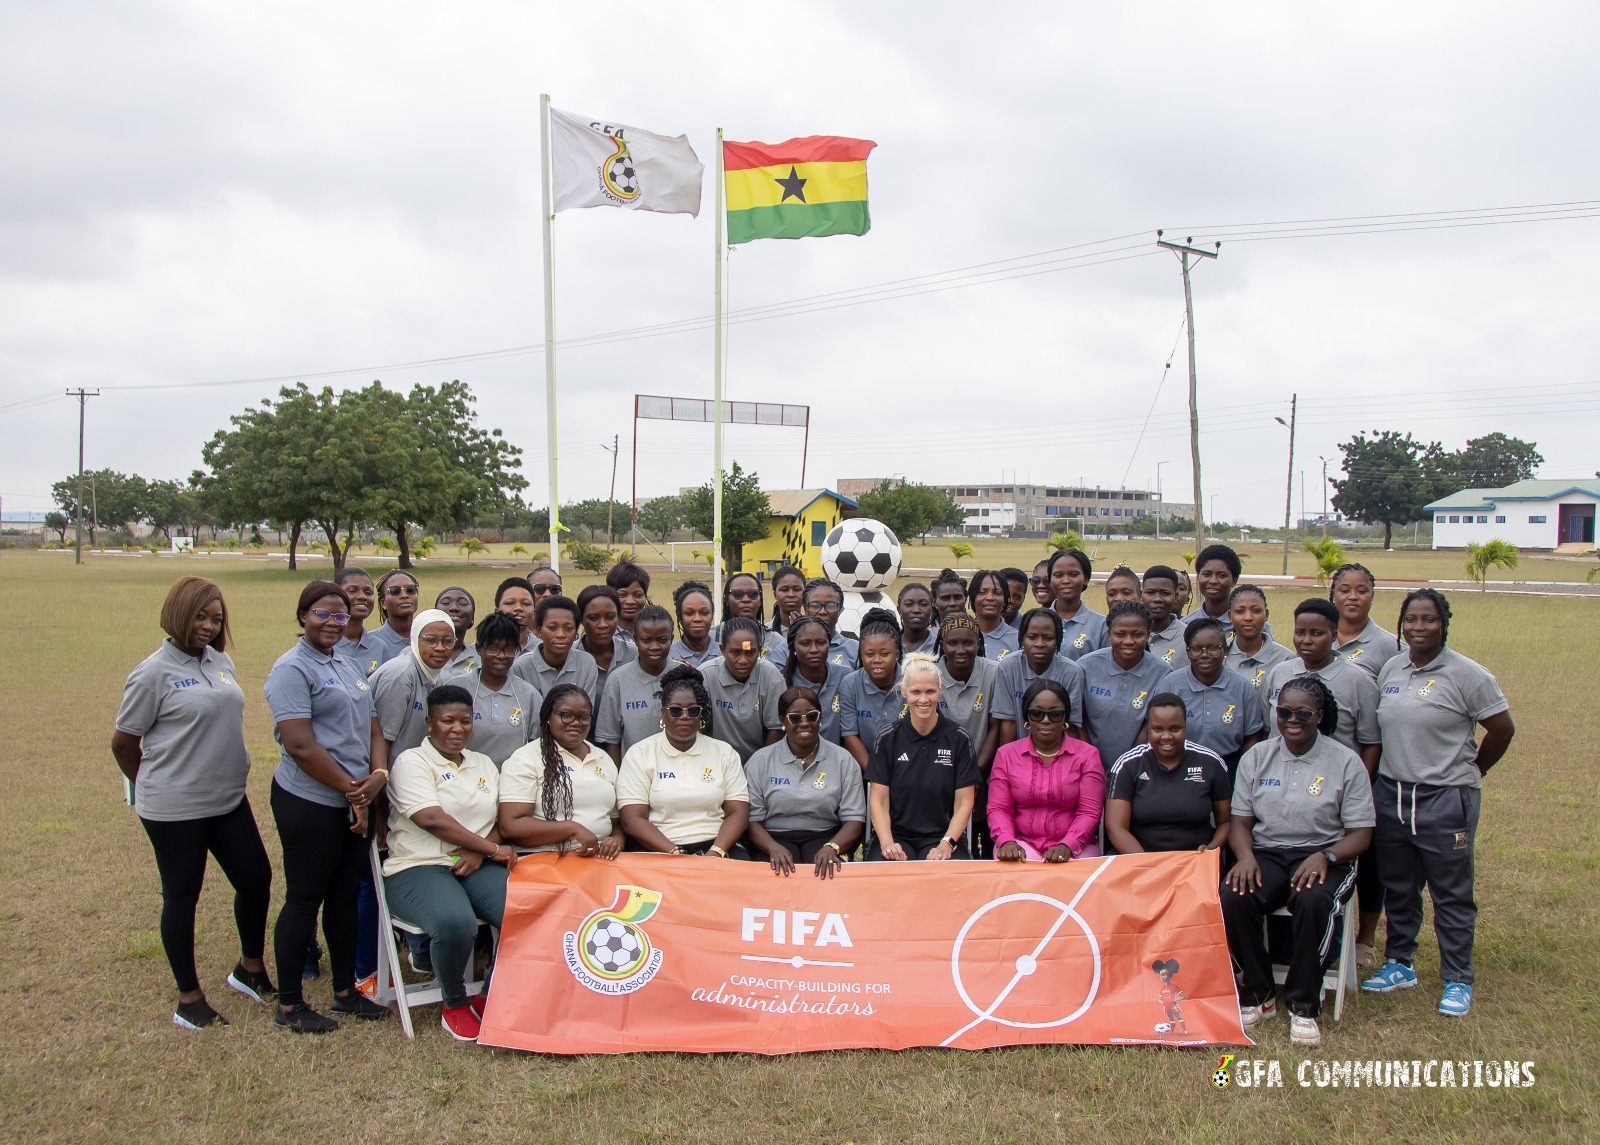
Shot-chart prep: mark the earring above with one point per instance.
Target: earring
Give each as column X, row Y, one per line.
column 663, row 723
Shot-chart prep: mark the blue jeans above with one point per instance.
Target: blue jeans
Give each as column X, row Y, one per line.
column 449, row 909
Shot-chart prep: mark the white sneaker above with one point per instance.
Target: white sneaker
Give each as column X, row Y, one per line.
column 1304, row 1031
column 1255, row 1015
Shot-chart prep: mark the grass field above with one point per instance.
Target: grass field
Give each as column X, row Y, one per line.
column 90, row 1054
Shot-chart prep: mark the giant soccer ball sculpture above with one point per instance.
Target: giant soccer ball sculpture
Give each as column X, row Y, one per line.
column 863, row 557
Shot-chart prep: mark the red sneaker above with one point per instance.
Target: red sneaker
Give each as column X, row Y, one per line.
column 477, row 1003
column 461, row 1023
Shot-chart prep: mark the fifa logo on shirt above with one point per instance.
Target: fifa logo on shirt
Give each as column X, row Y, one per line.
column 610, row 953
column 1227, row 716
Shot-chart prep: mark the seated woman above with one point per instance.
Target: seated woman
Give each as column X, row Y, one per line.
column 559, row 793
column 1167, row 794
column 869, row 697
column 680, row 792
column 444, row 803
column 1046, row 790
column 808, row 803
column 923, row 774
column 1302, row 813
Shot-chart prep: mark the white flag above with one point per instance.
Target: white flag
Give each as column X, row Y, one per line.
column 599, row 164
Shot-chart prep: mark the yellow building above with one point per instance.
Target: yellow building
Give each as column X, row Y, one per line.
column 801, row 519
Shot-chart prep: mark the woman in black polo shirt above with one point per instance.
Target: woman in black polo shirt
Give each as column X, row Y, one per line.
column 923, row 775
column 1168, row 794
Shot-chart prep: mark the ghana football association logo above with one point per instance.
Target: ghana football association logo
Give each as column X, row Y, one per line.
column 610, row 953
column 618, row 175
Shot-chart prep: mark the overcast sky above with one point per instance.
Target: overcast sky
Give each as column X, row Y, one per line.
column 197, row 193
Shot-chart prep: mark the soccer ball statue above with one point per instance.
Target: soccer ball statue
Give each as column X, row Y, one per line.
column 861, row 555
column 614, row 947
column 857, row 605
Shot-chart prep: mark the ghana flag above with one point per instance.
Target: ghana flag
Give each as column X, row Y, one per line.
column 816, row 185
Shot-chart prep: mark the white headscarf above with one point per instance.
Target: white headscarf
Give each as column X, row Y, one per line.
column 419, row 623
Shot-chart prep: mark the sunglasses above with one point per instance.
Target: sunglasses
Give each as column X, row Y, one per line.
column 744, row 594
column 541, row 589
column 795, row 719
column 1297, row 715
column 1046, row 715
column 324, row 615
column 1038, row 581
column 401, row 590
column 679, row 711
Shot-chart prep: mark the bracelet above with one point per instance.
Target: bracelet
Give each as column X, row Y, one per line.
column 717, row 851
column 383, row 771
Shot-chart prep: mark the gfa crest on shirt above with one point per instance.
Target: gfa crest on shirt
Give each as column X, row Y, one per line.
column 515, row 719
column 1227, row 716
column 1137, row 703
column 1425, row 689
column 1316, row 786
column 708, row 776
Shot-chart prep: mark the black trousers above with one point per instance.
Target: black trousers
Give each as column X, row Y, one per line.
column 918, row 847
column 181, row 847
column 1369, row 885
column 801, row 845
column 1315, row 919
column 1425, row 838
column 322, row 861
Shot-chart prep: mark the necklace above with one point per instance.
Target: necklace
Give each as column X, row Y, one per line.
column 1051, row 757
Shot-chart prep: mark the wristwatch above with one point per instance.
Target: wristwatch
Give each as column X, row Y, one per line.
column 1333, row 859
column 952, row 842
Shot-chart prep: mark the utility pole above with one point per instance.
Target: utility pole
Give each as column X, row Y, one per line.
column 1288, row 492
column 83, row 397
column 1324, row 461
column 611, row 500
column 1160, row 501
column 1184, row 251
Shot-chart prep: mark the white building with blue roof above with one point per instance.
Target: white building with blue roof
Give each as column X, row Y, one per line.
column 1531, row 514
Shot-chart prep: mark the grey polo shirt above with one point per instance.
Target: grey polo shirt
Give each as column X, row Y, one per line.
column 630, row 710
column 1014, row 674
column 1353, row 690
column 365, row 651
column 400, row 692
column 1168, row 646
column 1000, row 643
column 786, row 796
column 845, row 652
column 866, row 709
column 930, row 643
column 1428, row 717
column 969, row 702
column 622, row 651
column 579, row 669
column 743, row 713
column 1083, row 634
column 332, row 693
column 1302, row 802
column 386, row 645
column 1114, row 700
column 1370, row 651
column 830, row 695
column 189, row 713
column 463, row 661
column 1220, row 715
column 681, row 653
column 502, row 721
column 1256, row 668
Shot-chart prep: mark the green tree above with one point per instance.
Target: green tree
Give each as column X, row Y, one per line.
column 1060, row 542
column 58, row 523
column 661, row 516
column 960, row 550
column 1486, row 555
column 1389, row 478
column 1493, row 462
column 1329, row 555
column 168, row 504
column 909, row 509
column 111, row 500
column 746, row 514
column 590, row 558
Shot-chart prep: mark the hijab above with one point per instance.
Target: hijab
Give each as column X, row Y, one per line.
column 419, row 624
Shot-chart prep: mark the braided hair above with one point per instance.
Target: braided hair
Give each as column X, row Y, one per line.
column 1135, row 608
column 555, row 795
column 383, row 584
column 792, row 665
column 1439, row 602
column 682, row 677
column 1313, row 686
column 735, row 625
column 1049, row 614
column 1243, row 589
column 947, row 576
column 983, row 577
column 1345, row 570
column 499, row 628
column 783, row 574
column 684, row 591
column 816, row 583
column 882, row 622
column 761, row 604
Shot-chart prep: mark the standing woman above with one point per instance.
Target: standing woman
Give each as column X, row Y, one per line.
column 1431, row 701
column 179, row 740
column 1016, row 593
column 744, row 689
column 810, row 666
column 869, row 697
column 458, row 604
column 400, row 686
column 632, row 583
column 915, row 604
column 1039, row 583
column 545, row 581
column 1315, row 621
column 1046, row 790
column 334, row 763
column 680, row 792
column 1359, row 639
column 1224, row 711
column 949, row 593
column 503, row 707
column 398, row 597
column 1123, row 584
column 692, row 602
column 1185, row 592
column 514, row 597
column 788, row 600
column 967, row 680
column 630, row 709
column 741, row 596
column 1118, row 680
column 559, row 793
column 1040, row 634
column 808, row 802
column 1159, row 594
column 923, row 776
column 557, row 659
column 359, row 644
column 823, row 601
column 987, row 595
column 1252, row 653
column 1083, row 630
column 599, row 607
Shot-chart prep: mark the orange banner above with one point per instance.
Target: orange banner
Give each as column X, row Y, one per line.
column 705, row 955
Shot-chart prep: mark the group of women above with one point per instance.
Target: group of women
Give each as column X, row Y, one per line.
column 956, row 726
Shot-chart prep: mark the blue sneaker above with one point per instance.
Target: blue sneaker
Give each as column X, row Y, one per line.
column 1457, row 1000
column 1389, row 977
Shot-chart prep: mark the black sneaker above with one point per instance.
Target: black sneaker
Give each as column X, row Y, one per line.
column 302, row 1019
column 197, row 1015
column 253, row 984
column 313, row 968
column 357, row 1005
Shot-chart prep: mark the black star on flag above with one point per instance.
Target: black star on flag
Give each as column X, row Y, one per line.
column 793, row 186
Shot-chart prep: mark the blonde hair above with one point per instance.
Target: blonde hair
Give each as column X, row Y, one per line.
column 920, row 662
column 187, row 596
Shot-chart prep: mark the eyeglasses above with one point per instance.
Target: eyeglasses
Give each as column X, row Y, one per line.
column 437, row 641
column 795, row 719
column 401, row 590
column 324, row 615
column 1206, row 650
column 541, row 589
column 1046, row 715
column 823, row 606
column 1297, row 715
column 571, row 719
column 679, row 711
column 744, row 594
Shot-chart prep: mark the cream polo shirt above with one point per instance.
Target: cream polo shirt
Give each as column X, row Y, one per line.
column 593, row 778
column 684, row 790
column 469, row 792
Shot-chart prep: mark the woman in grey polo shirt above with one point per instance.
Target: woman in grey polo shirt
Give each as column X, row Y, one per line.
column 179, row 740
column 1359, row 639
column 400, row 686
column 808, row 803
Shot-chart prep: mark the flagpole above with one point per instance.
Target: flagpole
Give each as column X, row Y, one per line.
column 716, row 472
column 545, row 220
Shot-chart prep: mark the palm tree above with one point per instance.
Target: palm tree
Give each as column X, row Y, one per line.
column 424, row 548
column 1060, row 542
column 1329, row 555
column 519, row 549
column 961, row 550
column 1489, row 555
column 385, row 545
column 472, row 546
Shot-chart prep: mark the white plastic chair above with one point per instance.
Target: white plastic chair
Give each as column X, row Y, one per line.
column 1340, row 976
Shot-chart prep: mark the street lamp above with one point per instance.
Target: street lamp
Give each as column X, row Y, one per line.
column 1159, row 501
column 1324, row 461
column 1288, row 495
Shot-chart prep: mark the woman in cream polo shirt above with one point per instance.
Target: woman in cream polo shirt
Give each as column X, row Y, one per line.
column 559, row 793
